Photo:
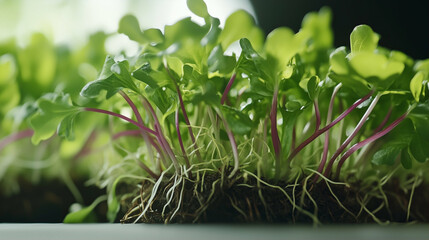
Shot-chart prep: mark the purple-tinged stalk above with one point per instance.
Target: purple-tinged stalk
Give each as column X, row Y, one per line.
column 352, row 135
column 383, row 123
column 274, row 133
column 364, row 152
column 86, row 149
column 139, row 120
column 371, row 139
column 185, row 115
column 15, row 137
column 326, row 128
column 147, row 169
column 126, row 133
column 140, row 126
column 228, row 88
column 233, row 144
column 161, row 138
column 293, row 144
column 326, row 143
column 317, row 113
column 179, row 136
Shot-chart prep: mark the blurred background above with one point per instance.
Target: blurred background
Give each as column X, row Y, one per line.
column 403, row 25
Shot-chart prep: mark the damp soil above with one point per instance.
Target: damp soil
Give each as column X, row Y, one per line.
column 240, row 201
column 46, row 202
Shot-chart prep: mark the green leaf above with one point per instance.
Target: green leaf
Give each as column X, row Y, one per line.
column 22, row 112
column 82, row 215
column 212, row 36
column 159, row 97
column 113, row 78
column 363, row 39
column 238, row 25
column 143, row 74
column 251, row 63
column 169, row 111
column 281, row 45
column 318, row 26
column 129, row 25
column 386, row 155
column 113, row 204
column 416, row 85
column 419, row 148
column 184, row 31
column 406, row 160
column 65, row 129
column 338, row 61
column 313, row 87
column 260, row 87
column 51, row 114
column 423, row 66
column 375, row 65
column 198, row 7
column 359, row 85
column 219, row 62
column 175, row 65
column 239, row 122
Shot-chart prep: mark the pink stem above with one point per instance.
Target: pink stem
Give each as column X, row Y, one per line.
column 123, row 118
column 326, row 143
column 180, row 139
column 140, row 120
column 383, row 123
column 374, row 137
column 15, row 137
column 333, row 123
column 227, row 89
column 185, row 115
column 132, row 133
column 317, row 112
column 161, row 138
column 352, row 135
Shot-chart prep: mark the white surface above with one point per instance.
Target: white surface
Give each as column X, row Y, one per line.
column 208, row 232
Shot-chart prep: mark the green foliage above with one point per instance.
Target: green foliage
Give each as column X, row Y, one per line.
column 187, row 104
column 55, row 112
column 113, row 78
column 84, row 214
column 363, row 39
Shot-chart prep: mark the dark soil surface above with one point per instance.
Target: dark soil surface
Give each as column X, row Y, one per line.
column 240, row 202
column 46, row 202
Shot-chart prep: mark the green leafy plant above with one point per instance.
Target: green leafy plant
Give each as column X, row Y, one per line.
column 194, row 122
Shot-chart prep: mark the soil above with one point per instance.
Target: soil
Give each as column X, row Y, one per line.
column 239, row 201
column 46, row 202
